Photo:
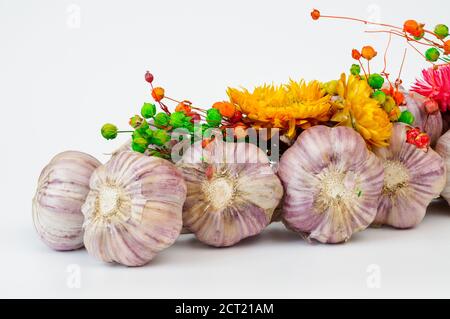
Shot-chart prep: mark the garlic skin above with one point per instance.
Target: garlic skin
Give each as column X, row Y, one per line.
column 332, row 183
column 134, row 209
column 413, row 178
column 62, row 189
column 434, row 123
column 443, row 149
column 232, row 192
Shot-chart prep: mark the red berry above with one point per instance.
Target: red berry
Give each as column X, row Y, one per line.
column 237, row 117
column 195, row 117
column 412, row 134
column 148, row 77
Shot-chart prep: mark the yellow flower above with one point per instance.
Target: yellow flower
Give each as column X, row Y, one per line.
column 355, row 108
column 296, row 104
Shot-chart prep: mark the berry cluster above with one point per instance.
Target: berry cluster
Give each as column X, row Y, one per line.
column 152, row 130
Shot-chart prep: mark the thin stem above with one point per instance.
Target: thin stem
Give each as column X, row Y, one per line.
column 120, row 132
column 362, row 67
column 386, row 52
column 401, row 68
column 362, row 21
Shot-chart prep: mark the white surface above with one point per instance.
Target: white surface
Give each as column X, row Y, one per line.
column 59, row 84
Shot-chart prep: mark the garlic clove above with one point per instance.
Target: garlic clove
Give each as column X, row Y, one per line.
column 134, row 209
column 432, row 124
column 443, row 149
column 412, row 179
column 62, row 189
column 232, row 192
column 332, row 184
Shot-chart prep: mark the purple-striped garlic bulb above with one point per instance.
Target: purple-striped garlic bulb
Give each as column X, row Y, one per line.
column 332, row 183
column 232, row 191
column 432, row 124
column 134, row 208
column 412, row 179
column 443, row 149
column 62, row 189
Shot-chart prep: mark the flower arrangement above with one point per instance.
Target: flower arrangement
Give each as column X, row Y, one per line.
column 356, row 151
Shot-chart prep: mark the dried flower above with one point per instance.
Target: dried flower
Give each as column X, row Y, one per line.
column 287, row 107
column 435, row 85
column 358, row 110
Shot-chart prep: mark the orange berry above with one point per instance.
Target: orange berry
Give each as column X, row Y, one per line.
column 315, row 14
column 368, row 53
column 158, row 94
column 447, row 47
column 356, row 54
column 399, row 98
column 414, row 28
column 226, row 109
column 183, row 107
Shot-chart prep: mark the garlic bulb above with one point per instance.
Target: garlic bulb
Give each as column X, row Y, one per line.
column 443, row 149
column 62, row 189
column 134, row 208
column 332, row 183
column 232, row 191
column 431, row 124
column 412, row 179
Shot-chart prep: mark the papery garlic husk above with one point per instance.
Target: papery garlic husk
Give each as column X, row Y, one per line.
column 62, row 189
column 412, row 179
column 432, row 124
column 232, row 191
column 134, row 208
column 443, row 149
column 332, row 184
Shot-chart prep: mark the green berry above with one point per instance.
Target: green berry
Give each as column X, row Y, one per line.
column 380, row 96
column 109, row 131
column 441, row 30
column 160, row 137
column 432, row 54
column 136, row 121
column 331, row 87
column 213, row 117
column 177, row 119
column 376, row 81
column 389, row 105
column 149, row 133
column 162, row 119
column 355, row 69
column 139, row 144
column 148, row 110
column 406, row 117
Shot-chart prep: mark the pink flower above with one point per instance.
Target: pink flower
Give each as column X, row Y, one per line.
column 435, row 85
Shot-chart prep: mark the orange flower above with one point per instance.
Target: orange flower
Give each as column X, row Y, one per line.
column 447, row 47
column 158, row 94
column 356, row 54
column 368, row 53
column 315, row 14
column 413, row 27
column 227, row 109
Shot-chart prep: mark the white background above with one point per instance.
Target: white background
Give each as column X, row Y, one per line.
column 60, row 81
